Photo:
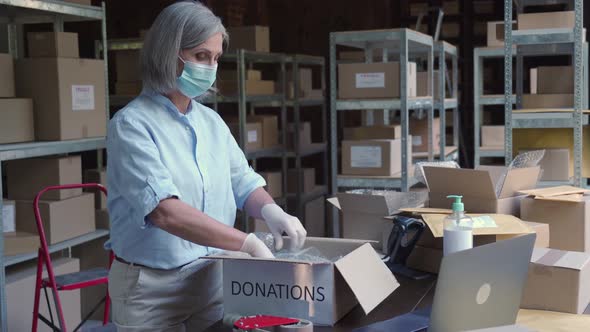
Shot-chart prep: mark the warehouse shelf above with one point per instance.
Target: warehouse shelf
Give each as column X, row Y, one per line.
column 290, row 102
column 372, row 182
column 308, row 150
column 275, row 152
column 494, row 99
column 449, row 103
column 451, row 153
column 16, row 13
column 97, row 234
column 493, row 151
column 552, row 41
column 363, row 104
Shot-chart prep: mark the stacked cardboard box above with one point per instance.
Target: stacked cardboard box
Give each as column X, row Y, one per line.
column 308, row 178
column 253, row 137
column 551, row 87
column 304, row 135
column 69, row 102
column 251, row 38
column 262, row 131
column 227, row 83
column 305, row 82
column 100, row 200
column 495, row 33
column 374, row 80
column 274, row 183
column 492, row 137
column 65, row 213
column 419, row 132
column 16, row 114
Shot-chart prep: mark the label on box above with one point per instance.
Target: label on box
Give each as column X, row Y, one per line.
column 365, row 156
column 370, row 80
column 8, row 222
column 252, row 136
column 82, row 97
column 416, row 140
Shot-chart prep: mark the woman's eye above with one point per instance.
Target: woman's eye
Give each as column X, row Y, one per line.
column 201, row 56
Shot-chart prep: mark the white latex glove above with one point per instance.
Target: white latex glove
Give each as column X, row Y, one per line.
column 278, row 222
column 255, row 247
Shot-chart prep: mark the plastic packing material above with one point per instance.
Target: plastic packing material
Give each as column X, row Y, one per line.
column 310, row 254
column 419, row 169
column 522, row 160
column 408, row 199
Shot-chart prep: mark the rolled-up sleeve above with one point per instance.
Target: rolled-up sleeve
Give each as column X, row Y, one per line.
column 243, row 178
column 134, row 165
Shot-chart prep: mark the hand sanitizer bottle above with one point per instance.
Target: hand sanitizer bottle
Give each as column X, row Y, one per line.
column 458, row 229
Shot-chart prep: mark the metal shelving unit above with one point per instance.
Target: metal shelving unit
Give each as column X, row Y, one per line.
column 399, row 44
column 536, row 42
column 15, row 13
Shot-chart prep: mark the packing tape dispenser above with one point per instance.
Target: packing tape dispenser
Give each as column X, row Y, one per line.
column 264, row 323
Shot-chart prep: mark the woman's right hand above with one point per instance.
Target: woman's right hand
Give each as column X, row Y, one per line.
column 255, row 247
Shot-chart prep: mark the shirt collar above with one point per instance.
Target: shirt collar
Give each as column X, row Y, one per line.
column 167, row 103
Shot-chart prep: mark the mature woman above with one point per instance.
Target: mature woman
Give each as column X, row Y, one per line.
column 175, row 177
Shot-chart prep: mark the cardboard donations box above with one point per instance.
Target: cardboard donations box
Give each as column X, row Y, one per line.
column 558, row 281
column 322, row 291
column 478, row 187
column 566, row 211
column 363, row 211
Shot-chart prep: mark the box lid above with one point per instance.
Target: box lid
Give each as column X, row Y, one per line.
column 376, row 202
column 573, row 260
column 506, row 225
column 559, row 193
column 367, row 276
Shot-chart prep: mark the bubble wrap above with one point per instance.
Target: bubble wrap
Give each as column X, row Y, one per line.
column 309, row 254
column 394, row 199
column 525, row 159
column 419, row 170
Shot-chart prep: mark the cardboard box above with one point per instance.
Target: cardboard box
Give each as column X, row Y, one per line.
column 372, row 132
column 555, row 164
column 6, row 76
column 102, row 219
column 478, row 187
column 17, row 243
column 422, row 78
column 128, row 88
column 555, row 80
column 232, row 75
column 92, row 255
column 425, row 259
column 359, row 56
column 363, row 212
column 373, row 80
column 547, row 20
column 308, row 175
column 20, row 296
column 26, row 177
column 496, row 33
column 8, row 216
column 543, row 234
column 73, row 105
column 62, row 220
column 253, row 88
column 252, row 38
column 270, row 129
column 97, row 176
column 315, row 217
column 492, row 136
column 569, row 221
column 53, row 44
column 305, row 83
column 533, row 79
column 372, row 157
column 304, row 135
column 319, row 292
column 253, row 134
column 16, row 120
column 127, row 66
column 274, row 183
column 547, row 101
column 419, row 132
column 558, row 281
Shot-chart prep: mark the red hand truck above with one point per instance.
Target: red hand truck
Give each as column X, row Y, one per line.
column 66, row 282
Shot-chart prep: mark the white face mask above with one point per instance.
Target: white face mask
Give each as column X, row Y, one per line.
column 196, row 78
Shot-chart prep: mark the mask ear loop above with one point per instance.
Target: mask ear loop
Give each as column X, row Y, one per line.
column 181, row 59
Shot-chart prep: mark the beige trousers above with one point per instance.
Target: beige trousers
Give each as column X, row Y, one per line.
column 145, row 299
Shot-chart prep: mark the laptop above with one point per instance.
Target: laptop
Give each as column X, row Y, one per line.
column 476, row 289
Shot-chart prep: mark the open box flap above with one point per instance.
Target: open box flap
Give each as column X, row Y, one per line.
column 367, row 276
column 554, row 191
column 506, row 225
column 518, row 179
column 370, row 204
column 334, row 201
column 460, row 181
column 559, row 258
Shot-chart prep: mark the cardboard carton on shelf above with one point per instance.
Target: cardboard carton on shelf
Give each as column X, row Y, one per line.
column 253, row 134
column 419, row 132
column 252, row 38
column 127, row 66
column 54, row 44
column 566, row 210
column 305, row 83
column 17, row 243
column 253, row 87
column 422, row 78
column 372, row 157
column 309, row 180
column 492, row 136
column 555, row 165
column 546, row 20
column 7, row 89
column 62, row 220
column 363, row 212
column 274, row 183
column 540, row 101
column 495, row 33
column 20, row 296
column 478, row 187
column 533, row 80
column 232, row 75
column 17, row 122
column 555, row 80
column 8, row 216
column 97, row 176
column 558, row 281
column 321, row 292
column 270, row 129
column 73, row 106
column 304, row 135
column 372, row 132
column 374, row 80
column 26, row 177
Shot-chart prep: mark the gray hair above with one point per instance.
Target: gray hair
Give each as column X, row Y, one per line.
column 182, row 25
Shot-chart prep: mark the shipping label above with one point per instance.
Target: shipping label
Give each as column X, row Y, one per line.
column 365, row 157
column 82, row 97
column 252, row 136
column 370, row 80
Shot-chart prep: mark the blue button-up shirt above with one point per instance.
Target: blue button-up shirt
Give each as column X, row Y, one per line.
column 156, row 152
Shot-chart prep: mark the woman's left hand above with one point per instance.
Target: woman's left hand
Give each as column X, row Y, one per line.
column 278, row 221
